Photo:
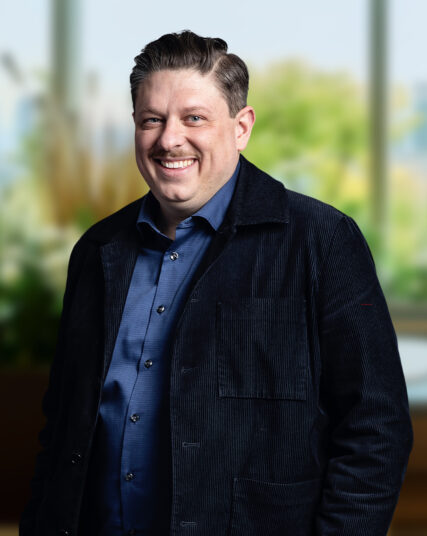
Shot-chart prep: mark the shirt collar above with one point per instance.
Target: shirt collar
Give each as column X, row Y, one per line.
column 213, row 211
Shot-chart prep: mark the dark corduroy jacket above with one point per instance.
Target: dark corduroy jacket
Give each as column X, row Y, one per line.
column 288, row 407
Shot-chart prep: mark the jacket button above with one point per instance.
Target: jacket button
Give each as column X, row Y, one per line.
column 129, row 477
column 134, row 417
column 160, row 309
column 64, row 532
column 76, row 458
column 173, row 256
column 148, row 363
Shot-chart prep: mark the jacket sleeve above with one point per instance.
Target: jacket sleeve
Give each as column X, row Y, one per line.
column 363, row 393
column 51, row 404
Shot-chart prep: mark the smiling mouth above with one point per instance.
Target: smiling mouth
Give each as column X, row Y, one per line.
column 176, row 164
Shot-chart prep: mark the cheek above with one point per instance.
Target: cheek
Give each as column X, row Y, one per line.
column 223, row 148
column 213, row 146
column 143, row 142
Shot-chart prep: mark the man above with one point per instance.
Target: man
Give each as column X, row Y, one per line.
column 226, row 362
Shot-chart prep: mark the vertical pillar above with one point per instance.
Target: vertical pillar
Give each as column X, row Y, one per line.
column 66, row 54
column 378, row 114
column 63, row 132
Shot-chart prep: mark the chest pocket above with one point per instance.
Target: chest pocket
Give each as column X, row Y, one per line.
column 262, row 349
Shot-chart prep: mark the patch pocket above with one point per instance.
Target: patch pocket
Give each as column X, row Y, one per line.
column 262, row 349
column 274, row 509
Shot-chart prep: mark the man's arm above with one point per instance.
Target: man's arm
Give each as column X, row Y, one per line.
column 363, row 392
column 51, row 403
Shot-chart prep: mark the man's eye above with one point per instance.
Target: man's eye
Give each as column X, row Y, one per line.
column 150, row 122
column 194, row 118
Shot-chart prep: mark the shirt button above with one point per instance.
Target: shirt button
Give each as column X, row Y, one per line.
column 174, row 255
column 129, row 477
column 76, row 458
column 134, row 417
column 148, row 364
column 160, row 309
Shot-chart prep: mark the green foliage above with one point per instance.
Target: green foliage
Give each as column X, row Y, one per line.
column 311, row 128
column 29, row 316
column 33, row 260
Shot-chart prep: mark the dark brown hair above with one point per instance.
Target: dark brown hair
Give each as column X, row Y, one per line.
column 186, row 50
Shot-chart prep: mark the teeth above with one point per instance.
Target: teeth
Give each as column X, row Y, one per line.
column 177, row 164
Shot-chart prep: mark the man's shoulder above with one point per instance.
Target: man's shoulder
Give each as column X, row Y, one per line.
column 299, row 208
column 308, row 209
column 314, row 222
column 107, row 229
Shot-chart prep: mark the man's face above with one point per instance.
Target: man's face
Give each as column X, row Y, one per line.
column 187, row 145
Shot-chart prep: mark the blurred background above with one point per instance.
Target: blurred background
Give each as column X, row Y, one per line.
column 340, row 92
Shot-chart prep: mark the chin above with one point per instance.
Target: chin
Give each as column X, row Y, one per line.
column 177, row 195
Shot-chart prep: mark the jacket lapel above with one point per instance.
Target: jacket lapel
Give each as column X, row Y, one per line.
column 118, row 261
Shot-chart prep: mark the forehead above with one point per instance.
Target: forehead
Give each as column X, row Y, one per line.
column 179, row 87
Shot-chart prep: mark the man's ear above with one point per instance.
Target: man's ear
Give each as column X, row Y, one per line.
column 245, row 120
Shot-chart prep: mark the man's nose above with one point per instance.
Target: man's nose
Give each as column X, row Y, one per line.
column 172, row 135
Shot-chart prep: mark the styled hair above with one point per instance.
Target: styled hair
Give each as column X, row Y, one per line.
column 186, row 50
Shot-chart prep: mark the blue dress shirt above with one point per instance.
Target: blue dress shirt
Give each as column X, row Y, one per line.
column 132, row 477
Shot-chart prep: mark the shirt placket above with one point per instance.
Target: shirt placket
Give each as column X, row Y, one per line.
column 141, row 423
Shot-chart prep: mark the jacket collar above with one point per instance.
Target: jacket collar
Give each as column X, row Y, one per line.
column 258, row 198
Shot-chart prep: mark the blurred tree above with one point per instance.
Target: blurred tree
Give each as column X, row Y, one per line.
column 311, row 132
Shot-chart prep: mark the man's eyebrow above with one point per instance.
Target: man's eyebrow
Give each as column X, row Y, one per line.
column 196, row 108
column 148, row 111
column 186, row 110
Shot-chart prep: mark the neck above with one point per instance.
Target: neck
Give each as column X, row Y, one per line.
column 169, row 220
